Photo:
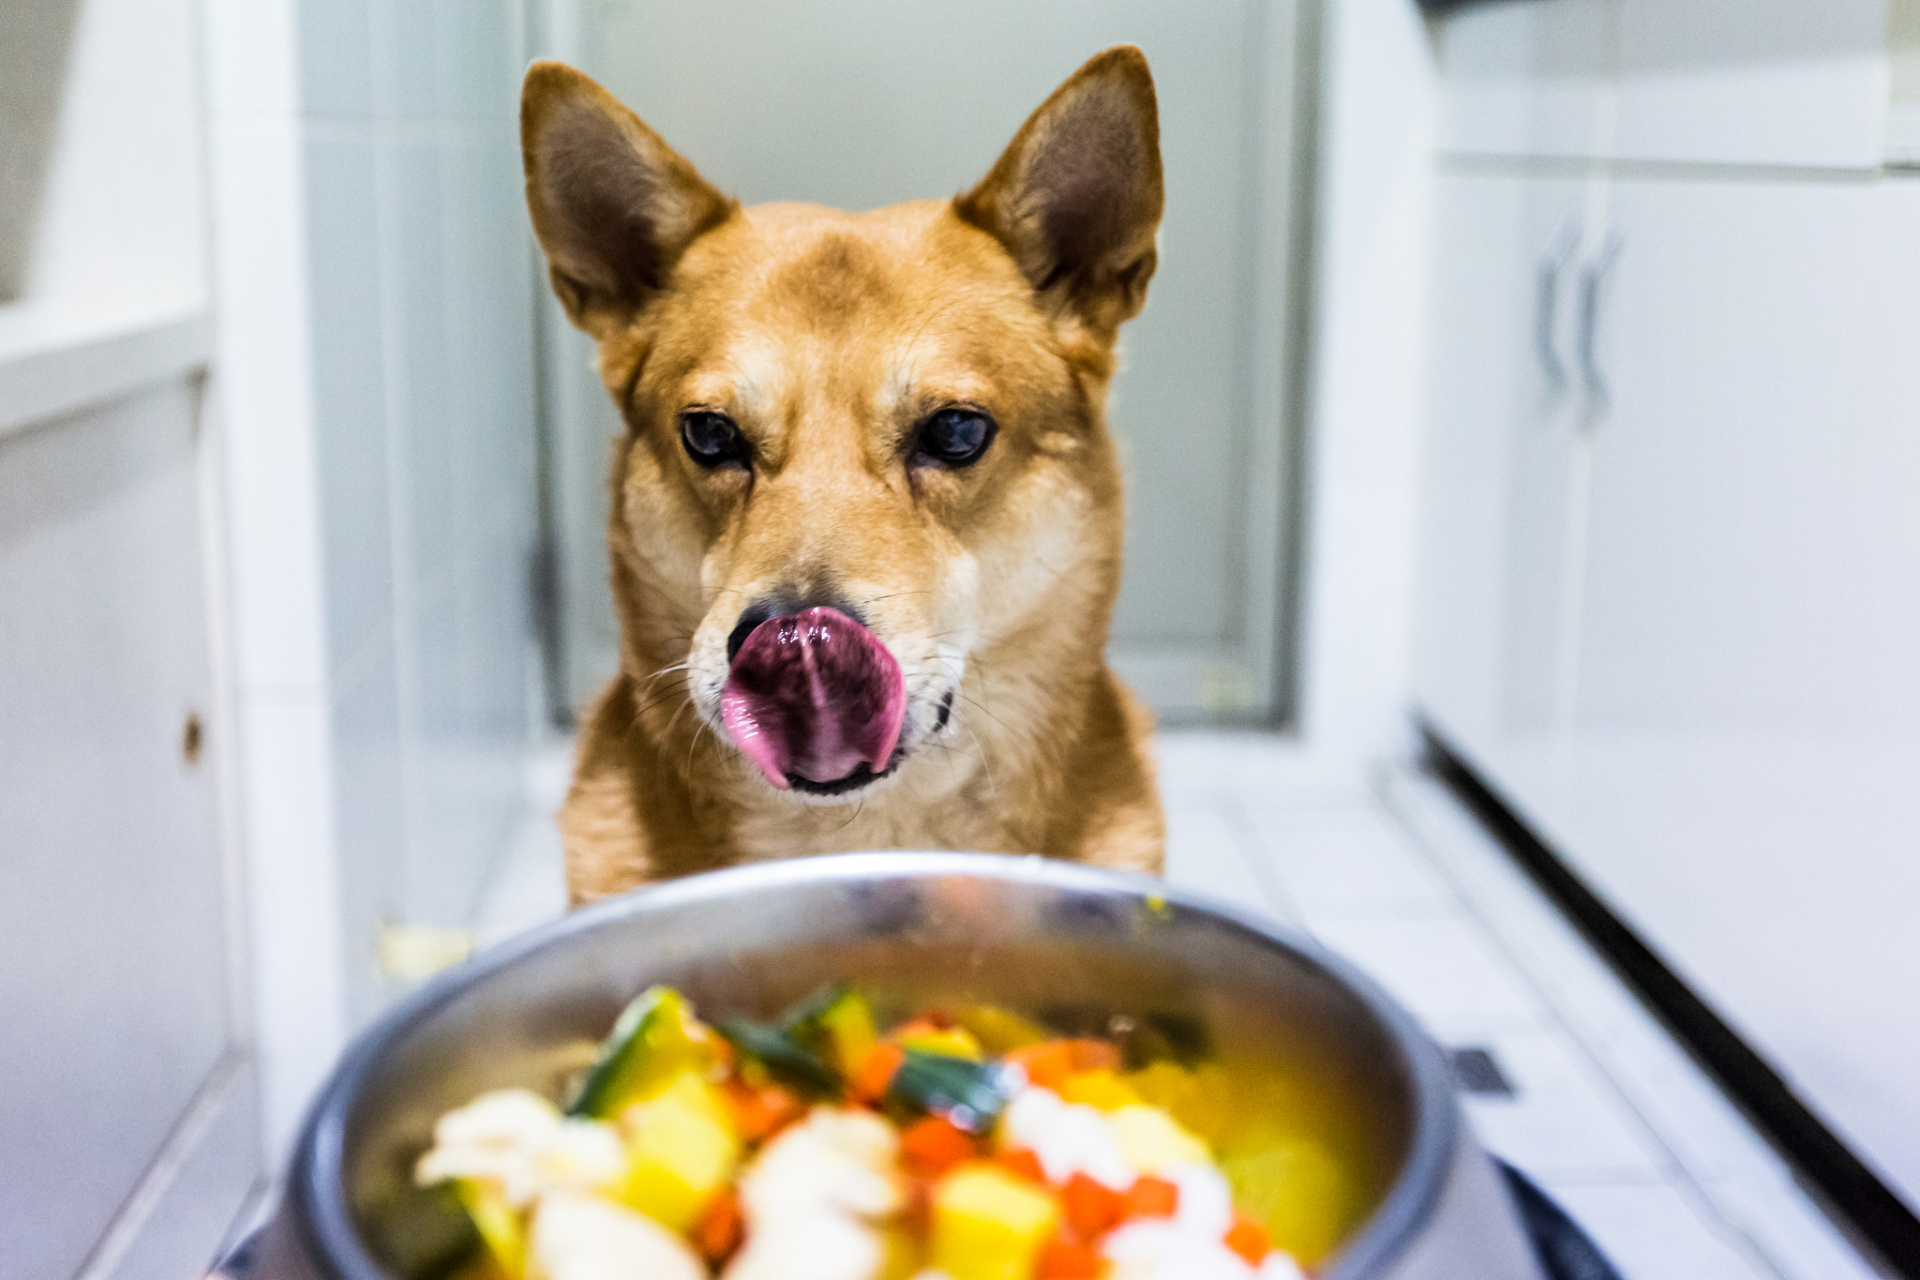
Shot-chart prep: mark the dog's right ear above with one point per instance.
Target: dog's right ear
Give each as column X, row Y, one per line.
column 613, row 205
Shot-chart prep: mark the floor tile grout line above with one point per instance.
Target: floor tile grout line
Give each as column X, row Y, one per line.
column 1750, row 1247
column 1258, row 859
column 1628, row 1083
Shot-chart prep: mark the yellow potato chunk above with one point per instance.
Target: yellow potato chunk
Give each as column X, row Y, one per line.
column 998, row 1030
column 681, row 1150
column 989, row 1224
column 1100, row 1088
column 954, row 1042
column 1204, row 1101
column 1152, row 1140
column 1298, row 1189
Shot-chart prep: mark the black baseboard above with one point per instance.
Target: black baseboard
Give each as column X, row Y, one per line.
column 1876, row 1219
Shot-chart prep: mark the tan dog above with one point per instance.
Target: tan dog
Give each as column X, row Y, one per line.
column 866, row 516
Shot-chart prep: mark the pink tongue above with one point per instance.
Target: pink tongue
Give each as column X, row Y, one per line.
column 815, row 695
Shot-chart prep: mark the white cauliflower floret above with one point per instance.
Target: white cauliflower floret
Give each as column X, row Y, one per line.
column 1278, row 1266
column 1205, row 1204
column 1157, row 1249
column 1067, row 1137
column 1191, row 1244
column 1153, row 1141
column 812, row 1196
column 582, row 1237
column 519, row 1141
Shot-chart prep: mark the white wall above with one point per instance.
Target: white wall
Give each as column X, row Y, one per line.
column 1376, row 194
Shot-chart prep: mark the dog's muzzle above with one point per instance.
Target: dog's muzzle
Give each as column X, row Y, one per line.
column 816, row 701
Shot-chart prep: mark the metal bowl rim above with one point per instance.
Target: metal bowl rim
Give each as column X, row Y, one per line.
column 316, row 1179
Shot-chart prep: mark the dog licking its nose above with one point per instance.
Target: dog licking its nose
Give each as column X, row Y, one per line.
column 815, row 700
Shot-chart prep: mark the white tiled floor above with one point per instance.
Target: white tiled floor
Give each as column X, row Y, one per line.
column 1607, row 1114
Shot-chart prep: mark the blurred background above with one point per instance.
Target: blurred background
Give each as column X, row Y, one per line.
column 1528, row 399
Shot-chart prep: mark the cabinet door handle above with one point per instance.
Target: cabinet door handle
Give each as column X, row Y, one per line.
column 1546, row 306
column 1593, row 280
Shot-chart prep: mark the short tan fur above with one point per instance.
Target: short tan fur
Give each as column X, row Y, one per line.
column 829, row 339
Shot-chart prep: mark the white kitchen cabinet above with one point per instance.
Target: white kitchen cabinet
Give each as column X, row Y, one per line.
column 1753, row 554
column 1676, row 627
column 1739, row 769
column 1530, row 78
column 1757, row 82
column 128, row 1122
column 1505, row 381
column 1712, row 82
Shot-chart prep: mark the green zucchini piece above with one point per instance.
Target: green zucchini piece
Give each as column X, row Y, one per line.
column 783, row 1055
column 836, row 1023
column 969, row 1094
column 806, row 1011
column 655, row 1038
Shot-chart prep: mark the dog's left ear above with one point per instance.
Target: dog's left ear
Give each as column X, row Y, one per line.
column 1077, row 196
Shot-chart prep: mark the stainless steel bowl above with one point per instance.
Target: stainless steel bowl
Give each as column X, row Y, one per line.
column 920, row 929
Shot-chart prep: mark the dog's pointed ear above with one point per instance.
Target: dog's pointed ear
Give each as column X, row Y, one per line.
column 1077, row 196
column 614, row 206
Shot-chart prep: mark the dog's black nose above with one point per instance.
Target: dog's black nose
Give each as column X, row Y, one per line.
column 784, row 604
column 755, row 615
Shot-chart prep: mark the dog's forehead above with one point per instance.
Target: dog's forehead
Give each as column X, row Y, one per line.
column 884, row 302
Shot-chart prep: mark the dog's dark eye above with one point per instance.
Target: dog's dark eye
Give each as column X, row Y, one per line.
column 711, row 438
column 954, row 437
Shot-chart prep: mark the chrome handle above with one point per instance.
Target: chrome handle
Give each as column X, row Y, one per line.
column 1546, row 306
column 1593, row 280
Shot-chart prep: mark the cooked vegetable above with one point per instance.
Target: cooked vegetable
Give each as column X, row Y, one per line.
column 1248, row 1238
column 496, row 1221
column 578, row 1237
column 989, row 1224
column 655, row 1038
column 998, row 1030
column 836, row 1024
column 875, row 1075
column 681, row 1151
column 818, row 1199
column 970, row 1094
column 781, row 1054
column 934, row 1145
column 1100, row 1088
column 815, row 1147
column 1297, row 1189
column 947, row 1042
column 1152, row 1140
